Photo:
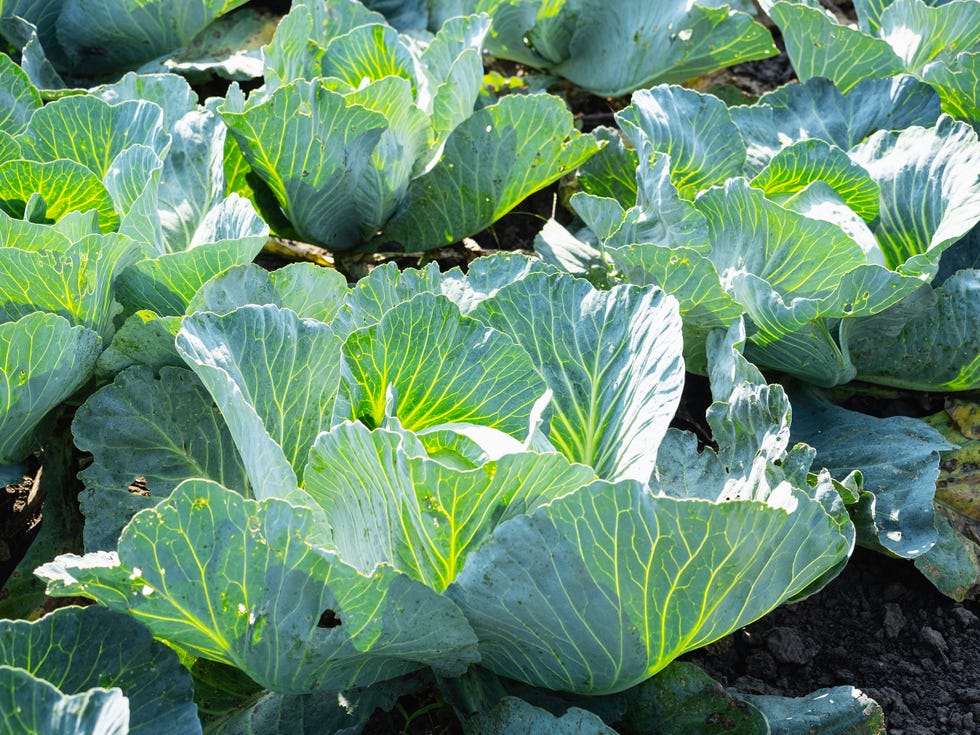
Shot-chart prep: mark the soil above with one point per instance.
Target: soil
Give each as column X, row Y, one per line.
column 880, row 627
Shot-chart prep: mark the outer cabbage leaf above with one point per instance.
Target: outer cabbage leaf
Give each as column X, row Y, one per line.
column 98, row 37
column 230, row 234
column 706, row 151
column 818, row 109
column 491, row 162
column 77, row 650
column 75, row 281
column 443, row 367
column 925, row 39
column 898, row 458
column 663, row 575
column 274, row 377
column 35, row 707
column 930, row 192
column 164, row 430
column 416, row 514
column 613, row 50
column 86, row 129
column 247, row 584
column 18, row 97
column 514, row 715
column 611, row 358
column 309, row 290
column 929, row 342
column 43, row 360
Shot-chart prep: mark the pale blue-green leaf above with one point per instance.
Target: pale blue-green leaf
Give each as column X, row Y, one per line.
column 797, row 257
column 193, row 179
column 43, row 360
column 416, row 514
column 405, row 15
column 170, row 92
column 23, row 34
column 163, row 429
column 230, row 47
column 614, row 50
column 381, row 290
column 930, row 191
column 819, row 46
column 77, row 649
column 800, row 164
column 133, row 181
column 817, row 109
column 514, row 715
column 612, row 359
column 18, row 97
column 558, row 247
column 86, row 129
column 399, row 151
column 274, row 377
column 19, row 233
column 450, row 72
column 444, row 368
column 921, row 32
column 35, row 707
column 105, row 36
column 491, row 162
column 65, row 186
column 958, row 84
column 246, row 583
column 705, row 150
column 841, row 710
column 314, row 150
column 486, row 276
column 309, row 290
column 961, row 255
column 898, row 457
column 929, row 344
column 167, row 283
column 296, row 49
column 663, row 575
column 76, row 282
column 685, row 274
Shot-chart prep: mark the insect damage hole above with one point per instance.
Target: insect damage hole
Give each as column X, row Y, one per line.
column 329, row 619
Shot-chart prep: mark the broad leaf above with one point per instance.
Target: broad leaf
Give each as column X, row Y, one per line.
column 898, row 458
column 18, row 97
column 612, row 359
column 43, row 360
column 41, row 708
column 929, row 342
column 417, row 514
column 79, row 649
column 662, row 575
column 246, row 583
column 491, row 161
column 274, row 377
column 164, row 430
column 444, row 368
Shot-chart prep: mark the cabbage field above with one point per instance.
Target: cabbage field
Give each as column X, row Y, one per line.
column 474, row 366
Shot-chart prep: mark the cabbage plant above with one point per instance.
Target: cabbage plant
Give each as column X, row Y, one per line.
column 795, row 212
column 433, row 472
column 612, row 51
column 75, row 42
column 362, row 136
column 938, row 42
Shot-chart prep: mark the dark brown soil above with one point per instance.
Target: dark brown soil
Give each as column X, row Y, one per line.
column 880, row 627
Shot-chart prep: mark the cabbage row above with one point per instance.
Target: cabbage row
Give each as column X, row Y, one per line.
column 305, row 498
